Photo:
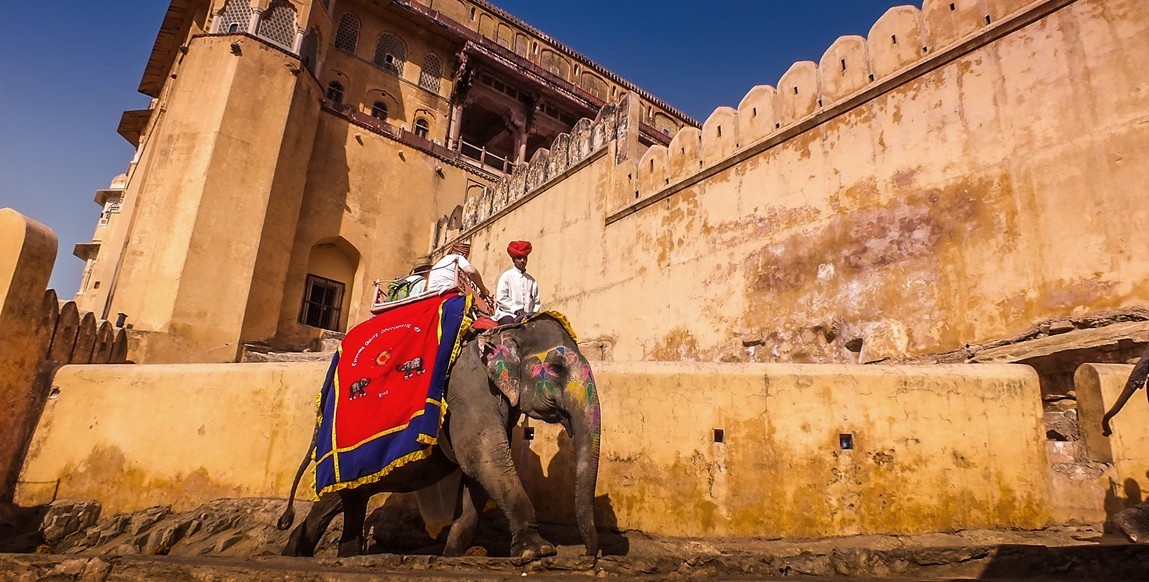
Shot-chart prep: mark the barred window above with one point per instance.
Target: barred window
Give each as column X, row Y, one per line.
column 278, row 24
column 390, row 53
column 347, row 35
column 379, row 110
column 422, row 128
column 309, row 49
column 432, row 70
column 322, row 302
column 335, row 92
column 235, row 16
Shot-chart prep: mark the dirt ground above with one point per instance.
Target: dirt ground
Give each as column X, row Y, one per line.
column 236, row 539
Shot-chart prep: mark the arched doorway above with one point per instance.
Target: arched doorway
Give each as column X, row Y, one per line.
column 328, row 284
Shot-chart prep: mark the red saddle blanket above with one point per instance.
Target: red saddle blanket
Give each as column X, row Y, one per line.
column 382, row 404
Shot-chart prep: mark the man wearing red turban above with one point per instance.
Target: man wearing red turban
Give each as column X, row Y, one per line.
column 517, row 294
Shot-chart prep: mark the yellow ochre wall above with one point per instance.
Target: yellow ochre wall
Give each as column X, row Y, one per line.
column 936, row 448
column 1127, row 449
column 968, row 192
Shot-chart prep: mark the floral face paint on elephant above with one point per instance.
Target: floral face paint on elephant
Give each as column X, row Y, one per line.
column 556, row 362
column 502, row 359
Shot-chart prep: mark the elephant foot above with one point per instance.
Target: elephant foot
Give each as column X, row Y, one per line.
column 350, row 548
column 531, row 546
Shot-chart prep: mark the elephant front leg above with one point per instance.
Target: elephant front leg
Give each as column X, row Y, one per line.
column 489, row 462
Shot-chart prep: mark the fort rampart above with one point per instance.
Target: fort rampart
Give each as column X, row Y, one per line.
column 688, row 449
column 951, row 179
column 38, row 334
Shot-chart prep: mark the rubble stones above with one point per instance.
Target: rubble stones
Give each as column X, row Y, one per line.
column 1134, row 522
column 1062, row 425
column 65, row 518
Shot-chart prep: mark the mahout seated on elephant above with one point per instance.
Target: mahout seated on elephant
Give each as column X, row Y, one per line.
column 532, row 368
column 1136, row 380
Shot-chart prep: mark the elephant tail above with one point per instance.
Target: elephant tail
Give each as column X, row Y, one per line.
column 1136, row 380
column 288, row 516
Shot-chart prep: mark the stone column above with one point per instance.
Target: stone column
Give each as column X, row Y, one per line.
column 299, row 33
column 518, row 125
column 253, row 22
column 456, row 126
column 460, row 86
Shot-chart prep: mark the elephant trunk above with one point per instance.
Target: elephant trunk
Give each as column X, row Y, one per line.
column 587, row 424
column 1136, row 380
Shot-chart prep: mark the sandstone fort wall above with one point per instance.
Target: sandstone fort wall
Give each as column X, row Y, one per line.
column 930, row 448
column 960, row 175
column 38, row 334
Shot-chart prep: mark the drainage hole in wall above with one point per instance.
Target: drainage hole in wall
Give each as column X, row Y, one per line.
column 846, row 441
column 719, row 435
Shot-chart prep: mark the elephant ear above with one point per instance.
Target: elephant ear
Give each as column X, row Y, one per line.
column 501, row 353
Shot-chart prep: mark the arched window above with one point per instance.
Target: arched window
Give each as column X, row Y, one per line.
column 234, row 17
column 379, row 110
column 422, row 128
column 432, row 70
column 347, row 35
column 309, row 49
column 390, row 53
column 335, row 92
column 277, row 24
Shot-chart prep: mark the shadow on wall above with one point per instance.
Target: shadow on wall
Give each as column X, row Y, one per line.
column 552, row 493
column 1130, row 495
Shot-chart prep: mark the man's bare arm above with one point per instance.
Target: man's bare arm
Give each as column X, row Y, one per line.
column 477, row 279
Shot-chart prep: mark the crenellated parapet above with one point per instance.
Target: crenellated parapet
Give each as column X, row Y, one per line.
column 568, row 150
column 904, row 43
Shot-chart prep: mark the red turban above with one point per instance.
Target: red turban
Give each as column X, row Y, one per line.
column 518, row 249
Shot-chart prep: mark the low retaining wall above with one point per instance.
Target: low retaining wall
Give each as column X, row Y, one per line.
column 806, row 450
column 1127, row 450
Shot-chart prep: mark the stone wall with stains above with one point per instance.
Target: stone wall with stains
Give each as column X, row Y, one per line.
column 806, row 450
column 38, row 334
column 962, row 174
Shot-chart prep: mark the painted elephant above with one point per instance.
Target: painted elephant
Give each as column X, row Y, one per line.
column 532, row 368
column 1136, row 380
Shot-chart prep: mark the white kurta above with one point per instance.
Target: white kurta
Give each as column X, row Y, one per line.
column 516, row 290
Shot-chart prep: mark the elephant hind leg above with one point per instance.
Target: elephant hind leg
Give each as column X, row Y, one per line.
column 306, row 535
column 463, row 529
column 351, row 543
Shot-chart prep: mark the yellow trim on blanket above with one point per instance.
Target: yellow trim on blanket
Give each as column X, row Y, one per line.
column 348, row 448
column 335, row 414
column 415, row 456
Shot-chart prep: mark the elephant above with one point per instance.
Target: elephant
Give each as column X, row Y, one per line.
column 532, row 368
column 1136, row 380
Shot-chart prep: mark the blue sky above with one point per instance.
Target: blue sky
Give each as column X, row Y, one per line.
column 66, row 80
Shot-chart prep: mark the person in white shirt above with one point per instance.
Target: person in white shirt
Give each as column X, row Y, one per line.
column 517, row 293
column 442, row 274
